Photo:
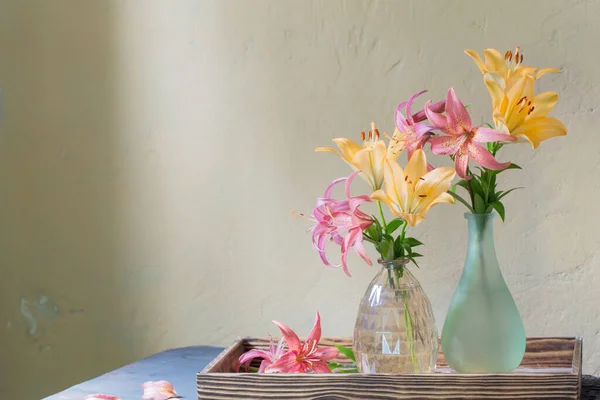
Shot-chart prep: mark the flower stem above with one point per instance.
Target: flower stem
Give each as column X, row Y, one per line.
column 403, row 230
column 381, row 214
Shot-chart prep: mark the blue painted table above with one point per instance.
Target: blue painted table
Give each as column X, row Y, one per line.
column 178, row 366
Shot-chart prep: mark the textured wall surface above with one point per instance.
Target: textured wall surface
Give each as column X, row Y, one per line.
column 151, row 152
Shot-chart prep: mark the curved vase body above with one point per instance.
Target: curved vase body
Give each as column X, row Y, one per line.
column 395, row 329
column 483, row 331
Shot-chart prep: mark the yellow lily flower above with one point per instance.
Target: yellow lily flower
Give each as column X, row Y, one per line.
column 521, row 113
column 411, row 192
column 368, row 158
column 508, row 69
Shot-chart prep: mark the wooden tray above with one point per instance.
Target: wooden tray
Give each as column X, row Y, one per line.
column 551, row 369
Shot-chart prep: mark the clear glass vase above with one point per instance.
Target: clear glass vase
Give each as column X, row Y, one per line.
column 483, row 331
column 395, row 328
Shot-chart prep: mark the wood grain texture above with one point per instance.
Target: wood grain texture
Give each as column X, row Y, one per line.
column 551, row 369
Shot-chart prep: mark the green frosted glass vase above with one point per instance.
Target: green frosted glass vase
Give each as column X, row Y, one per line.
column 483, row 331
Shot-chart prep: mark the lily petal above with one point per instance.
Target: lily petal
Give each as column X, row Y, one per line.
column 409, row 102
column 438, row 107
column 544, row 103
column 158, row 390
column 543, row 71
column 536, row 130
column 321, row 367
column 484, row 158
column 348, row 148
column 286, row 364
column 475, row 56
column 290, row 336
column 438, row 120
column 494, row 61
column 327, row 353
column 416, row 167
column 444, row 145
column 461, row 163
column 458, row 118
column 485, row 135
column 315, row 333
column 360, row 250
column 246, row 358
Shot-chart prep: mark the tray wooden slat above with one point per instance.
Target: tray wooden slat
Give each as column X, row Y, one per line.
column 551, row 369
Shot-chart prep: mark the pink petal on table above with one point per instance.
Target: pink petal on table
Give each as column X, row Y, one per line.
column 101, row 397
column 158, row 390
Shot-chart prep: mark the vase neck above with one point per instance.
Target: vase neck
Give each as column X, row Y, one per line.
column 394, row 264
column 481, row 249
column 396, row 274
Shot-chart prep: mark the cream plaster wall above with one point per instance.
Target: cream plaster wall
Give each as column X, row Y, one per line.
column 151, row 152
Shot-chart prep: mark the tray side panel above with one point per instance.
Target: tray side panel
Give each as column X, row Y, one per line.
column 227, row 360
column 380, row 387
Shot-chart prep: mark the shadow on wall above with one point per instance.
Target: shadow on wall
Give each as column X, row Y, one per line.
column 61, row 319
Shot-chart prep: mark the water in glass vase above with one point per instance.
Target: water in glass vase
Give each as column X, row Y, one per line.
column 395, row 329
column 483, row 331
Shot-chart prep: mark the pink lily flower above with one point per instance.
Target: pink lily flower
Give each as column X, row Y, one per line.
column 303, row 357
column 410, row 133
column 159, row 390
column 269, row 357
column 336, row 217
column 463, row 138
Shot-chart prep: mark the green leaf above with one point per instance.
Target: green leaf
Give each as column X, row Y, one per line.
column 378, row 231
column 414, row 262
column 333, row 365
column 462, row 183
column 393, row 225
column 414, row 255
column 407, row 247
column 502, row 194
column 371, row 231
column 384, row 248
column 479, row 204
column 457, row 197
column 398, row 249
column 387, row 237
column 476, row 187
column 348, row 352
column 511, row 166
column 412, row 242
column 348, row 371
column 499, row 209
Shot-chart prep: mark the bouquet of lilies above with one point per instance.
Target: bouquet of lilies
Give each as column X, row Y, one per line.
column 519, row 115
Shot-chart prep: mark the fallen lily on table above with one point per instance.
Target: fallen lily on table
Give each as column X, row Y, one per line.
column 291, row 355
column 153, row 390
column 159, row 390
